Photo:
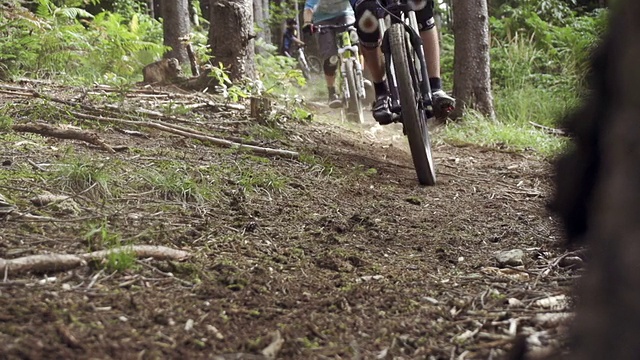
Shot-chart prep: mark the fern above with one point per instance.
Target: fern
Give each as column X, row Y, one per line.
column 72, row 13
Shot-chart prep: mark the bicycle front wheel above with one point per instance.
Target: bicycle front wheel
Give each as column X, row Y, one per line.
column 315, row 65
column 355, row 110
column 304, row 68
column 413, row 118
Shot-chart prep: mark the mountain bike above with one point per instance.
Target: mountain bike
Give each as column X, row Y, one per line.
column 307, row 64
column 350, row 75
column 406, row 69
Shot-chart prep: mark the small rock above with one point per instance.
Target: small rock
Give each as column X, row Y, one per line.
column 510, row 257
column 60, row 203
column 513, row 302
column 123, row 318
column 189, row 325
column 573, row 262
column 212, row 329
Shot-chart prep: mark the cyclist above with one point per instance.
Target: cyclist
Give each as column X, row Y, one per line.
column 328, row 12
column 370, row 38
column 290, row 37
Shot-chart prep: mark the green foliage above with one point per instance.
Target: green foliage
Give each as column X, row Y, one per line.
column 120, row 257
column 279, row 74
column 70, row 43
column 173, row 181
column 100, row 236
column 82, row 174
column 539, row 59
column 279, row 12
column 504, row 134
column 5, row 120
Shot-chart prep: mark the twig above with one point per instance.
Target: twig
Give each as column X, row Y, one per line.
column 94, row 279
column 170, row 275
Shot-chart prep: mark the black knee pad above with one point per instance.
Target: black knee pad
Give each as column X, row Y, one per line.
column 424, row 14
column 367, row 23
column 330, row 66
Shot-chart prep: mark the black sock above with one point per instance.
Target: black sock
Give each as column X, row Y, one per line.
column 380, row 88
column 435, row 83
column 332, row 90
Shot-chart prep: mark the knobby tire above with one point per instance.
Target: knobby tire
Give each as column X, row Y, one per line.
column 355, row 109
column 413, row 119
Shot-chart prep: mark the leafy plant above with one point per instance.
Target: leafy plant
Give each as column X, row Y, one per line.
column 70, row 43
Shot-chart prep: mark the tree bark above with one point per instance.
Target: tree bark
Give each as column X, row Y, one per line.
column 471, row 73
column 176, row 24
column 230, row 37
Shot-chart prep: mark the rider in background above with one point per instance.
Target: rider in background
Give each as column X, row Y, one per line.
column 370, row 39
column 290, row 37
column 328, row 12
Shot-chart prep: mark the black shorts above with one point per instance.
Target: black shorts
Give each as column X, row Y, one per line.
column 368, row 13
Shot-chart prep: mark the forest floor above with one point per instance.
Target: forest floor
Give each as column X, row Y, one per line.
column 335, row 254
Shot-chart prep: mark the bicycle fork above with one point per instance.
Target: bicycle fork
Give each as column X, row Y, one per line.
column 424, row 102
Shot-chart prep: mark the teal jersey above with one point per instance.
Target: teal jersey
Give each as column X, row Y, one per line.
column 329, row 9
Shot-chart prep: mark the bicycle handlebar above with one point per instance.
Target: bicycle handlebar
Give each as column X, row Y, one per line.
column 340, row 28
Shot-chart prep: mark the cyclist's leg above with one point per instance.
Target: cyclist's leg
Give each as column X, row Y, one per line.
column 443, row 103
column 329, row 56
column 367, row 25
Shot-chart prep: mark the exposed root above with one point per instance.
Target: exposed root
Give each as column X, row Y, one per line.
column 63, row 133
column 61, row 262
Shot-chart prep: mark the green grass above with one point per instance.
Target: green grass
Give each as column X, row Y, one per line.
column 267, row 178
column 174, row 182
column 5, row 121
column 120, row 259
column 529, row 104
column 100, row 236
column 475, row 129
column 83, row 174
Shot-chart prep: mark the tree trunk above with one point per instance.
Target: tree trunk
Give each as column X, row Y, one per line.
column 176, row 24
column 230, row 37
column 471, row 71
column 157, row 11
column 266, row 16
column 151, row 8
column 258, row 19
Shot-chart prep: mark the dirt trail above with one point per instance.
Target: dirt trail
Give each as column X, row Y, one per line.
column 341, row 251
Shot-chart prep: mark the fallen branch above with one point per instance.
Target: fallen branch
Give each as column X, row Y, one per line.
column 60, row 133
column 549, row 130
column 193, row 134
column 189, row 133
column 62, row 262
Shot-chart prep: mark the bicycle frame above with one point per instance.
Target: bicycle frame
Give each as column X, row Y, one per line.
column 398, row 11
column 347, row 49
